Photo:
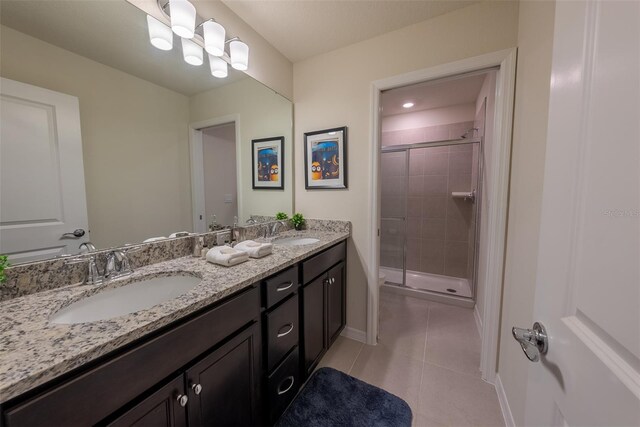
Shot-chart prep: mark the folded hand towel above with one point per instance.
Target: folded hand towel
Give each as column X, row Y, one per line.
column 179, row 234
column 255, row 249
column 154, row 239
column 224, row 255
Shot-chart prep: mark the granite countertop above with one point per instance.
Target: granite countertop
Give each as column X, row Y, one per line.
column 34, row 351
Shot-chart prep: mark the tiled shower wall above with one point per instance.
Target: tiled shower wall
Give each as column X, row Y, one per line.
column 440, row 229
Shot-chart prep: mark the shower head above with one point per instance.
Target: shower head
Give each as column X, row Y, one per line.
column 472, row 130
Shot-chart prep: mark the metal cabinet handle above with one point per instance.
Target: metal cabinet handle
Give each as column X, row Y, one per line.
column 282, row 334
column 289, row 378
column 534, row 342
column 76, row 234
column 182, row 399
column 284, row 287
column 197, row 388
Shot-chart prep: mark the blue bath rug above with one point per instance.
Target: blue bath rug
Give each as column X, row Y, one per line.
column 334, row 399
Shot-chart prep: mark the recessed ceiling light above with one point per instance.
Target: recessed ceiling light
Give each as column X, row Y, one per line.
column 407, row 104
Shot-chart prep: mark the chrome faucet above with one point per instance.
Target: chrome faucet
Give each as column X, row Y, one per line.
column 275, row 227
column 93, row 276
column 117, row 265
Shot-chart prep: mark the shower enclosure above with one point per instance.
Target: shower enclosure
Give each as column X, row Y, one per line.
column 430, row 198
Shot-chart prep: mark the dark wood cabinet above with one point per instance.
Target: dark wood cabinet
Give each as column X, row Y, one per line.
column 324, row 303
column 161, row 409
column 314, row 319
column 224, row 388
column 336, row 304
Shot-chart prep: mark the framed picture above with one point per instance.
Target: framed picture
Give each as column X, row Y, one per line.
column 268, row 163
column 325, row 159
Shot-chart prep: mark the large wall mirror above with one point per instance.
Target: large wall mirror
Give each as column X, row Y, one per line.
column 110, row 140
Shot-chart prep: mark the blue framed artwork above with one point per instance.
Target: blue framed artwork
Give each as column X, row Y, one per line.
column 268, row 163
column 325, row 159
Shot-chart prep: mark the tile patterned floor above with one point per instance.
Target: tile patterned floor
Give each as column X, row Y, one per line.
column 428, row 354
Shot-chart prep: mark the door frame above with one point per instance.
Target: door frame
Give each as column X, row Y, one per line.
column 197, row 167
column 497, row 214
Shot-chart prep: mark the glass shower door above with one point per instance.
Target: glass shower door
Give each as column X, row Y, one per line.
column 394, row 166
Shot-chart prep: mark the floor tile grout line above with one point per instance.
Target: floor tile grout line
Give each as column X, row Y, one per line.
column 355, row 359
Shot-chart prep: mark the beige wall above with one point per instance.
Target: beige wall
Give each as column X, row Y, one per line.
column 219, row 160
column 131, row 131
column 333, row 89
column 262, row 114
column 535, row 39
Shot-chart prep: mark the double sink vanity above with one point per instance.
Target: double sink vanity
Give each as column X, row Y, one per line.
column 177, row 342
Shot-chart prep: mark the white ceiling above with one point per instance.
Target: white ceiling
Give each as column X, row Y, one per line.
column 114, row 33
column 300, row 29
column 430, row 95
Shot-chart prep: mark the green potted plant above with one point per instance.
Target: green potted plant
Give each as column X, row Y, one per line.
column 281, row 216
column 4, row 263
column 298, row 221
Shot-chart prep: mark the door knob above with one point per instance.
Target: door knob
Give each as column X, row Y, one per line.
column 534, row 342
column 197, row 388
column 76, row 234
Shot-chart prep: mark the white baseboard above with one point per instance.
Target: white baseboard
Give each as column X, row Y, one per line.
column 476, row 315
column 354, row 334
column 504, row 403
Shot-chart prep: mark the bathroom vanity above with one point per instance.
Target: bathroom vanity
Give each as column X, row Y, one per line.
column 233, row 351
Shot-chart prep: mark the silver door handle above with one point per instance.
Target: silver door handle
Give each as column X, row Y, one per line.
column 284, row 287
column 534, row 342
column 197, row 388
column 76, row 234
column 289, row 378
column 182, row 400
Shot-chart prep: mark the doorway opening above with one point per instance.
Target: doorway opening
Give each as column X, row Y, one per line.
column 476, row 217
column 433, row 136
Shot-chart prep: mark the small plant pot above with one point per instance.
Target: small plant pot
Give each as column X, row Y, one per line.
column 298, row 227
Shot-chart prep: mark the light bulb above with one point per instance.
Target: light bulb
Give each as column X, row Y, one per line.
column 192, row 52
column 218, row 67
column 213, row 38
column 160, row 35
column 239, row 55
column 183, row 18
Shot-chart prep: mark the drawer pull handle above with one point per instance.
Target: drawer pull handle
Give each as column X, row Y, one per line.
column 284, row 287
column 281, row 334
column 289, row 378
column 182, row 400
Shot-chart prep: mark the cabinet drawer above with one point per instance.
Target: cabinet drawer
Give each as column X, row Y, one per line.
column 315, row 266
column 282, row 331
column 280, row 286
column 90, row 396
column 283, row 385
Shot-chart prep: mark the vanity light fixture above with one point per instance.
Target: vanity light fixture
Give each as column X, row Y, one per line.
column 183, row 18
column 408, row 104
column 182, row 15
column 160, row 35
column 218, row 67
column 213, row 37
column 192, row 52
column 239, row 54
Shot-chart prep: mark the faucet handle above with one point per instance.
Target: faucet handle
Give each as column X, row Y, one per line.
column 123, row 257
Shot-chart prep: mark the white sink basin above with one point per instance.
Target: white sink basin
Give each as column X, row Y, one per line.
column 126, row 299
column 296, row 241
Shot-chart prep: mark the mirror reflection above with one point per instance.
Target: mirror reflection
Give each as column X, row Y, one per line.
column 109, row 140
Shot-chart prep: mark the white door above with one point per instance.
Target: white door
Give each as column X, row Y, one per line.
column 42, row 193
column 588, row 277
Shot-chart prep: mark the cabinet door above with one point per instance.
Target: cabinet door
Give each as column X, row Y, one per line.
column 224, row 387
column 314, row 321
column 336, row 312
column 161, row 409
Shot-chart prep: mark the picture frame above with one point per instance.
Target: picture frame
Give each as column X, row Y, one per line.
column 267, row 163
column 325, row 159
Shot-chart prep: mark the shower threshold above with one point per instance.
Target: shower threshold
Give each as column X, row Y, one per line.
column 447, row 285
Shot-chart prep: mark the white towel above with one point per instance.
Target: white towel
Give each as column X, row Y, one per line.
column 224, row 255
column 255, row 249
column 179, row 234
column 154, row 239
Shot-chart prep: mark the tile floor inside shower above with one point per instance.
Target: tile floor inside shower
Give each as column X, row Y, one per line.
column 428, row 354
